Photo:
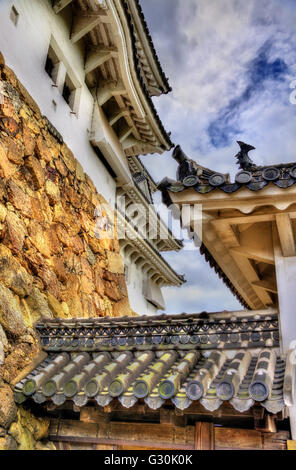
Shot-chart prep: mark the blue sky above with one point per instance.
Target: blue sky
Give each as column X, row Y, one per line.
column 230, row 64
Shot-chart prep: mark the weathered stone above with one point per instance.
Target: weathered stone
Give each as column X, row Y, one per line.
column 38, row 427
column 41, row 149
column 68, row 158
column 28, row 139
column 14, row 152
column 86, row 285
column 59, row 268
column 59, row 309
column 10, row 313
column 99, row 284
column 7, row 169
column 91, row 258
column 77, row 244
column 23, row 437
column 3, row 339
column 95, row 246
column 9, row 125
column 89, row 310
column 8, row 443
column 79, row 172
column 115, row 264
column 63, row 235
column 13, row 275
column 73, row 197
column 20, row 357
column 7, row 406
column 38, row 305
column 16, row 231
column 52, row 191
column 50, row 280
column 2, row 60
column 112, row 291
column 61, row 167
column 39, row 238
column 37, row 212
column 122, row 308
column 19, row 199
column 36, row 171
column 3, row 213
column 86, row 268
column 75, row 306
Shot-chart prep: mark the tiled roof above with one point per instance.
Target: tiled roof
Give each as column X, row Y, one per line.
column 251, row 176
column 166, row 136
column 184, row 358
column 182, row 377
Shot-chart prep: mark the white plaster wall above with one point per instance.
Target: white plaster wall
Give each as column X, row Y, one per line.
column 138, row 302
column 25, row 49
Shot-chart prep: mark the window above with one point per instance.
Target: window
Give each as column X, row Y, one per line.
column 60, row 73
column 14, row 15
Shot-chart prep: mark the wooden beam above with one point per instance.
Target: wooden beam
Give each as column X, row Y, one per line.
column 59, row 5
column 246, row 266
column 83, row 24
column 253, row 254
column 98, row 56
column 118, row 115
column 285, row 230
column 226, row 233
column 125, row 134
column 268, row 285
column 107, row 90
column 204, row 436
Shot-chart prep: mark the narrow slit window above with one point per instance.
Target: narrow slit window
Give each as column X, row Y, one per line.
column 14, row 15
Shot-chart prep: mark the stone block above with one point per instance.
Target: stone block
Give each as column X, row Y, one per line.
column 59, row 309
column 36, row 172
column 38, row 305
column 68, row 158
column 53, row 192
column 7, row 169
column 79, row 172
column 8, row 411
column 41, row 149
column 13, row 275
column 122, row 308
column 10, row 313
column 15, row 152
column 15, row 231
column 19, row 199
column 39, row 238
column 115, row 264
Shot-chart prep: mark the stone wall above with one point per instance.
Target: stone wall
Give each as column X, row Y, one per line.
column 55, row 259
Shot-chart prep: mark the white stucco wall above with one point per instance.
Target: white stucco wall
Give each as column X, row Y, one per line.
column 25, row 49
column 135, row 290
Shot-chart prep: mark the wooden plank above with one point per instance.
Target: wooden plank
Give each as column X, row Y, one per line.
column 99, row 56
column 227, row 438
column 286, row 235
column 268, row 285
column 135, row 434
column 82, row 25
column 204, row 436
column 259, row 255
column 59, row 5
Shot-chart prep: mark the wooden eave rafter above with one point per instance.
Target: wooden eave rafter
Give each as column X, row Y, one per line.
column 237, row 231
column 135, row 196
column 117, row 59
